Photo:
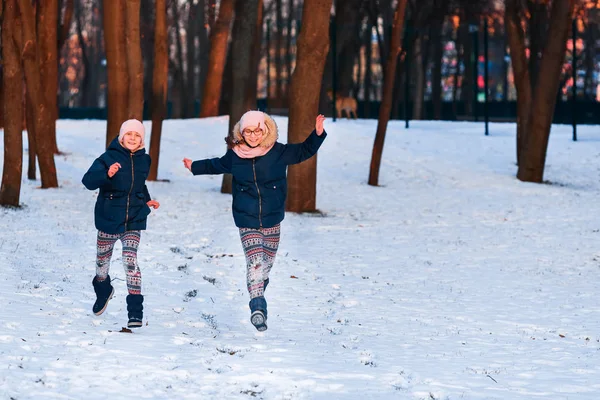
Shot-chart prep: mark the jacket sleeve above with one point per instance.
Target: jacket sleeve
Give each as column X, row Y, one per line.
column 96, row 176
column 296, row 153
column 147, row 194
column 213, row 166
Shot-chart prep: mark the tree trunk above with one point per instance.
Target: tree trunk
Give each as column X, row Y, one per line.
column 436, row 74
column 135, row 68
column 159, row 84
column 65, row 26
column 368, row 70
column 116, row 60
column 12, row 82
column 204, row 51
column 467, row 86
column 518, row 57
column 533, row 159
column 288, row 46
column 388, row 87
column 538, row 30
column 48, row 36
column 178, row 93
column 216, row 65
column 346, row 31
column 35, row 96
column 589, row 90
column 305, row 90
column 31, row 134
column 256, row 56
column 419, row 75
column 278, row 56
column 190, row 44
column 244, row 32
column 85, row 86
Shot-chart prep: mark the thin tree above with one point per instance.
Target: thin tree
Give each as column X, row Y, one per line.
column 64, row 25
column 216, row 65
column 305, row 89
column 388, row 88
column 533, row 158
column 135, row 67
column 116, row 60
column 12, row 82
column 518, row 57
column 48, row 38
column 159, row 84
column 42, row 115
column 243, row 35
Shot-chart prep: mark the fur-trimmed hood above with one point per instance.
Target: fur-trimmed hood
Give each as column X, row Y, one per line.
column 271, row 134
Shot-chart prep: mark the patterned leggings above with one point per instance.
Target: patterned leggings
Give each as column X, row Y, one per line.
column 105, row 245
column 260, row 247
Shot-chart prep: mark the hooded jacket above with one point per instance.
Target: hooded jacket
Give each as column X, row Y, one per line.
column 121, row 203
column 260, row 183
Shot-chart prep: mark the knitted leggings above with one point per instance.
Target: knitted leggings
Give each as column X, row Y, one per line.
column 105, row 245
column 260, row 247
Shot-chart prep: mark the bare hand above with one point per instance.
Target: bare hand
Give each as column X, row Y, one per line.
column 187, row 163
column 113, row 169
column 154, row 204
column 319, row 124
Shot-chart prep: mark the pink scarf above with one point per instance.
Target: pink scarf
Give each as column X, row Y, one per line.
column 245, row 151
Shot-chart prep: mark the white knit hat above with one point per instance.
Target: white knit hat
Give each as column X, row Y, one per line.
column 252, row 118
column 132, row 125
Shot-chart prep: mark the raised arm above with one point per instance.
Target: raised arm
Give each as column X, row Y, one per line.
column 296, row 153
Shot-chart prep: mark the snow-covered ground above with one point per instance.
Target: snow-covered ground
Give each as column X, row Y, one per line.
column 452, row 280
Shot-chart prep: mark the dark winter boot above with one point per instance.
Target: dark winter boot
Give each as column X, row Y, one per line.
column 104, row 292
column 135, row 310
column 258, row 310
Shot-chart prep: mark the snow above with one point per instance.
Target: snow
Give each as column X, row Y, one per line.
column 452, row 280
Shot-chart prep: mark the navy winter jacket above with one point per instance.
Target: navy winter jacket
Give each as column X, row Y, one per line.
column 260, row 184
column 121, row 203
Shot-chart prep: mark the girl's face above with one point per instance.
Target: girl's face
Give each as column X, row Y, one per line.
column 253, row 135
column 131, row 140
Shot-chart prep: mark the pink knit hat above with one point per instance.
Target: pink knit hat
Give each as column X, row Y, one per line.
column 132, row 125
column 252, row 118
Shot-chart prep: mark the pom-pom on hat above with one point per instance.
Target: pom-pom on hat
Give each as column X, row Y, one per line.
column 132, row 125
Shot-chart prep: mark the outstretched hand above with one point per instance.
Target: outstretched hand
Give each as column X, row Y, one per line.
column 187, row 163
column 319, row 124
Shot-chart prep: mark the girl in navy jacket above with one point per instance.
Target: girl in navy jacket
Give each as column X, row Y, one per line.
column 258, row 164
column 122, row 207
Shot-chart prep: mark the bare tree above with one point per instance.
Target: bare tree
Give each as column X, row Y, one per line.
column 388, row 88
column 48, row 38
column 216, row 65
column 533, row 157
column 159, row 84
column 305, row 91
column 12, row 82
column 42, row 115
column 135, row 66
column 243, row 36
column 116, row 59
column 516, row 42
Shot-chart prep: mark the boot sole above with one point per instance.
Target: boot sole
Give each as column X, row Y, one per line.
column 134, row 324
column 106, row 304
column 259, row 321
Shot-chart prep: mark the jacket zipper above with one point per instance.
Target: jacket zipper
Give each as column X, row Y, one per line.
column 130, row 189
column 258, row 190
